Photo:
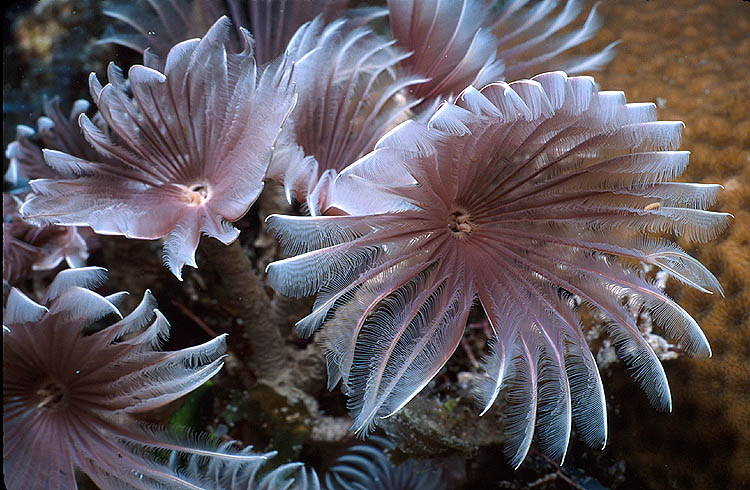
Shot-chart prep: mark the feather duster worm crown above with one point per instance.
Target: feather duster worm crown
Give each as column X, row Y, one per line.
column 250, row 475
column 469, row 42
column 72, row 385
column 367, row 467
column 185, row 155
column 157, row 25
column 27, row 246
column 519, row 195
column 349, row 96
column 56, row 132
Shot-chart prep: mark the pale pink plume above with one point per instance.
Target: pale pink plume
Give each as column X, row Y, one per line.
column 520, row 196
column 76, row 374
column 54, row 131
column 157, row 25
column 185, row 155
column 29, row 247
column 249, row 475
column 274, row 22
column 536, row 36
column 25, row 245
column 350, row 95
column 461, row 42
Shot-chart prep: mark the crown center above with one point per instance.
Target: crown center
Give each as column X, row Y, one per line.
column 52, row 395
column 460, row 224
column 197, row 194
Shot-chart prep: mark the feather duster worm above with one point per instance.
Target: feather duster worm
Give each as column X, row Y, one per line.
column 518, row 195
column 185, row 155
column 465, row 42
column 367, row 467
column 28, row 247
column 532, row 37
column 452, row 44
column 249, row 475
column 54, row 131
column 72, row 386
column 274, row 23
column 157, row 25
column 349, row 96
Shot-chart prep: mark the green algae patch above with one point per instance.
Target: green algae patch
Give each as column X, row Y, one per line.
column 282, row 424
column 195, row 413
column 450, row 405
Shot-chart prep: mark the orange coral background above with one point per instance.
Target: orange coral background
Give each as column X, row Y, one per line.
column 692, row 57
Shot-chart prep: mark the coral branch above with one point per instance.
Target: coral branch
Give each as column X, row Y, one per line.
column 241, row 293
